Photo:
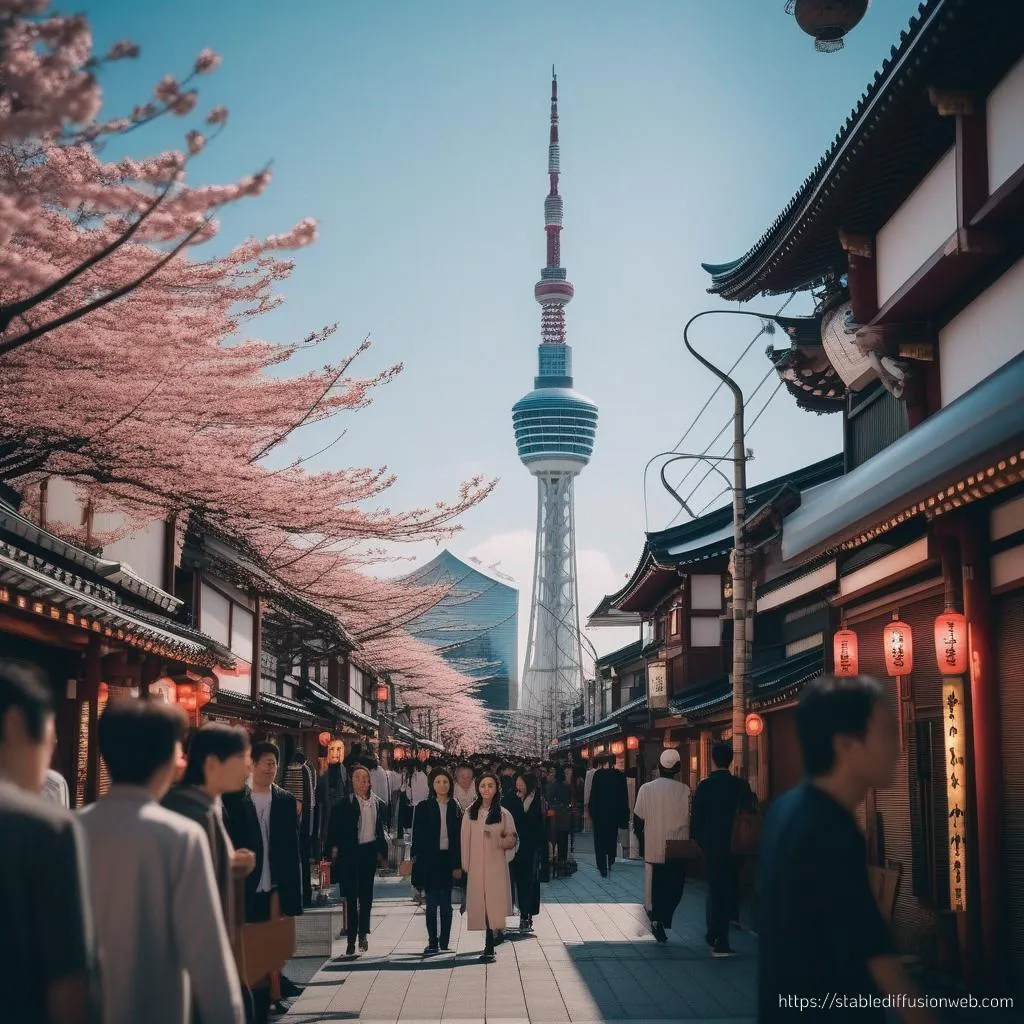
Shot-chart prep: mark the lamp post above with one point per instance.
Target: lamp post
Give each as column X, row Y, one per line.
column 741, row 568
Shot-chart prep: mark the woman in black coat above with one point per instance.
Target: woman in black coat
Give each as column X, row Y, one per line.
column 437, row 856
column 358, row 843
column 531, row 827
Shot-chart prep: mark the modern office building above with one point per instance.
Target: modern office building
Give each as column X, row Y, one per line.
column 475, row 626
column 555, row 427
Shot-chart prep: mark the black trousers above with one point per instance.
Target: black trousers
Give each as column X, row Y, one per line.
column 606, row 841
column 561, row 846
column 723, row 889
column 439, row 903
column 304, row 855
column 360, row 902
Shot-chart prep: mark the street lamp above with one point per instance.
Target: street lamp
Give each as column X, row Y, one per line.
column 741, row 568
column 672, row 457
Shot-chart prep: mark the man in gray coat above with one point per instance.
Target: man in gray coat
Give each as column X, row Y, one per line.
column 163, row 944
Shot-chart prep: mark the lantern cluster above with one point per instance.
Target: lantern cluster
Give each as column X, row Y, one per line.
column 898, row 646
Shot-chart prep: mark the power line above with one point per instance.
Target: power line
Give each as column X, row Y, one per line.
column 721, row 384
column 753, row 422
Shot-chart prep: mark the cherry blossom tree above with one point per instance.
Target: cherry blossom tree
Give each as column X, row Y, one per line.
column 126, row 364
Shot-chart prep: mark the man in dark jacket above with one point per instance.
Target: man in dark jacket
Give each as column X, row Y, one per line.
column 609, row 811
column 717, row 801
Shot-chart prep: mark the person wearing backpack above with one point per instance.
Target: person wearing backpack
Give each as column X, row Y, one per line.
column 718, row 802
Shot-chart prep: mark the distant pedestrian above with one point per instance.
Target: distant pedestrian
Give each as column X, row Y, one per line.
column 609, row 811
column 559, row 800
column 465, row 786
column 531, row 827
column 356, row 839
column 300, row 782
column 48, row 962
column 437, row 857
column 821, row 934
column 661, row 816
column 159, row 922
column 716, row 803
column 488, row 833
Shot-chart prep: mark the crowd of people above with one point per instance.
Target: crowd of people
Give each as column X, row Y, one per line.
column 134, row 908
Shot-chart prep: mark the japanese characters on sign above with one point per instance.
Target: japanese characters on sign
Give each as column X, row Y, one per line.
column 954, row 731
column 844, row 653
column 657, row 684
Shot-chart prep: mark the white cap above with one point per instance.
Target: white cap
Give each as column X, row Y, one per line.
column 669, row 759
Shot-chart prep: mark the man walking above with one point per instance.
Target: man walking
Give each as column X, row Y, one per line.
column 661, row 816
column 47, row 952
column 821, row 932
column 158, row 913
column 609, row 811
column 299, row 781
column 717, row 801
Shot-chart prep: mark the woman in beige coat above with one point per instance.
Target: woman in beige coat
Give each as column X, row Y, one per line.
column 488, row 833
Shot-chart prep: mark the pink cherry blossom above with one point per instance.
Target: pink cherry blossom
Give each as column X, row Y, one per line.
column 207, row 61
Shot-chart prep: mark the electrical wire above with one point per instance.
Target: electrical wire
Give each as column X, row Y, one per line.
column 750, row 427
column 721, row 384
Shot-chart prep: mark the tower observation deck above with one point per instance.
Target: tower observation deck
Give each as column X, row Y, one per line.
column 555, row 427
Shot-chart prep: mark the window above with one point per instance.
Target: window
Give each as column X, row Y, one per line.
column 673, row 622
column 215, row 615
column 660, row 629
column 705, row 631
column 706, row 593
column 241, row 632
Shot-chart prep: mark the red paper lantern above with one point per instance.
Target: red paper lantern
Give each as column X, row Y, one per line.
column 951, row 643
column 618, row 748
column 187, row 699
column 383, row 693
column 398, row 754
column 632, row 742
column 324, row 739
column 754, row 724
column 205, row 693
column 898, row 639
column 585, row 753
column 423, row 755
column 844, row 653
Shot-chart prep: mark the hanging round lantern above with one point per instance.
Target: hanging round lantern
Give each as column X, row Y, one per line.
column 632, row 742
column 618, row 748
column 951, row 643
column 828, row 21
column 187, row 700
column 423, row 755
column 204, row 693
column 585, row 753
column 324, row 739
column 599, row 749
column 754, row 724
column 844, row 653
column 398, row 754
column 898, row 641
column 383, row 692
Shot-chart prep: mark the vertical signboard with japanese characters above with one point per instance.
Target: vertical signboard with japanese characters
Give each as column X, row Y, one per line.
column 657, row 684
column 955, row 745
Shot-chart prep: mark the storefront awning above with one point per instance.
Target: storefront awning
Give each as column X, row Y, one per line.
column 957, row 442
column 702, row 699
column 781, row 680
column 339, row 708
column 605, row 727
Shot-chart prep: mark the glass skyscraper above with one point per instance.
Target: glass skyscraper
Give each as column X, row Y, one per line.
column 475, row 626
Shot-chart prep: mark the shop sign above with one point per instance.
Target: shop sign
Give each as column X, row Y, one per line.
column 657, row 684
column 955, row 746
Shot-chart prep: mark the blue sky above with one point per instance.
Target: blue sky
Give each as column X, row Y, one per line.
column 415, row 133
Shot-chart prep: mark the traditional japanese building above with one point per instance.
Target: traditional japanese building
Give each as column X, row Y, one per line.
column 910, row 234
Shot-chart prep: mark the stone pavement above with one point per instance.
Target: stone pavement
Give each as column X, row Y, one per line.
column 592, row 958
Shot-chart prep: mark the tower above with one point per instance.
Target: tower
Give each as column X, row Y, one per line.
column 555, row 427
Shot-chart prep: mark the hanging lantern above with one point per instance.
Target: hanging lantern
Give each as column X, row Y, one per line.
column 102, row 693
column 951, row 643
column 398, row 754
column 827, row 20
column 585, row 753
column 187, row 697
column 844, row 653
column 324, row 739
column 204, row 693
column 618, row 748
column 632, row 742
column 423, row 755
column 163, row 689
column 599, row 749
column 383, row 692
column 898, row 640
column 754, row 724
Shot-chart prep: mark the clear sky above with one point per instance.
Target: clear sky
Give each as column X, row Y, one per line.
column 415, row 133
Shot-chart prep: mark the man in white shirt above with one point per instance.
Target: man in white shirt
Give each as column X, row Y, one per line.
column 465, row 786
column 159, row 921
column 662, row 814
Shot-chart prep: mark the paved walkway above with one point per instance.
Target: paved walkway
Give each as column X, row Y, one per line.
column 592, row 958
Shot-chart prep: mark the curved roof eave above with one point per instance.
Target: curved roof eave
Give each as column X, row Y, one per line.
column 738, row 280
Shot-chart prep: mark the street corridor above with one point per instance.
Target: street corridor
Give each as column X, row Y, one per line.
column 592, row 958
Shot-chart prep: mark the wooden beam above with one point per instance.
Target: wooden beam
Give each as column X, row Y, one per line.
column 256, row 673
column 971, row 165
column 951, row 102
column 862, row 275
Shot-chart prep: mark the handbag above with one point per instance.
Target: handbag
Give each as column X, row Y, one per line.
column 267, row 945
column 746, row 832
column 682, row 849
